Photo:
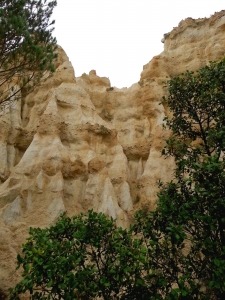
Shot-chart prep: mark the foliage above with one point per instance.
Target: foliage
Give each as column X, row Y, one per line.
column 26, row 45
column 189, row 222
column 80, row 258
column 197, row 101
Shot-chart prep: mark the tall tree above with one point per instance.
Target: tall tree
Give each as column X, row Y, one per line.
column 27, row 47
column 185, row 236
column 190, row 218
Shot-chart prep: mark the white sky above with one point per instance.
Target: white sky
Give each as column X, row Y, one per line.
column 117, row 37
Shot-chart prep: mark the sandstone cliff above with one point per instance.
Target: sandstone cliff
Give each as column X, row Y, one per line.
column 75, row 144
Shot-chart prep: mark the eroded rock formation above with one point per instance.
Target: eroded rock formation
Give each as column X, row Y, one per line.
column 75, row 144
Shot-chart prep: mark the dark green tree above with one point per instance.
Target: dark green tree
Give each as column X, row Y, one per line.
column 188, row 226
column 27, row 47
column 197, row 101
column 83, row 257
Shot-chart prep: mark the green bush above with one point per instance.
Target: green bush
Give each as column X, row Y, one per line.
column 80, row 258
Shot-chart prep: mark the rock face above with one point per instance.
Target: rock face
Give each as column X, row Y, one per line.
column 75, row 144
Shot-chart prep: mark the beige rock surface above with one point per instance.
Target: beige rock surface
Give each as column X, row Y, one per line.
column 75, row 144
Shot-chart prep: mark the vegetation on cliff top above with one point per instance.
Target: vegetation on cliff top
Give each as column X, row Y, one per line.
column 175, row 252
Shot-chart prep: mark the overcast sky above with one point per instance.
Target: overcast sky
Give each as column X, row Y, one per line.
column 117, row 37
